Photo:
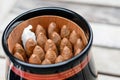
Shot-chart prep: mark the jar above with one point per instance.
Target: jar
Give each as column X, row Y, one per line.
column 80, row 67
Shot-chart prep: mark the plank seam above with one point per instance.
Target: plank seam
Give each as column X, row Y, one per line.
column 109, row 74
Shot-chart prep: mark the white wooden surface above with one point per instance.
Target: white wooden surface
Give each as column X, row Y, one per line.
column 115, row 3
column 92, row 13
column 5, row 7
column 1, row 49
column 106, row 35
column 2, row 67
column 104, row 77
column 103, row 17
column 107, row 60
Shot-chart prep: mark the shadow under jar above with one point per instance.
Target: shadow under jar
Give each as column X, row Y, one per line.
column 80, row 67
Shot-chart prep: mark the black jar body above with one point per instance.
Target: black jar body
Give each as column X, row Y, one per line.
column 80, row 67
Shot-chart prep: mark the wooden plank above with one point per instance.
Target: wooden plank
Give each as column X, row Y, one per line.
column 107, row 60
column 100, row 14
column 2, row 54
column 105, row 77
column 113, row 3
column 2, row 67
column 106, row 35
column 5, row 7
column 6, row 21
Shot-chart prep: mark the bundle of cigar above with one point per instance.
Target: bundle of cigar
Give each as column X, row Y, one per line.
column 48, row 46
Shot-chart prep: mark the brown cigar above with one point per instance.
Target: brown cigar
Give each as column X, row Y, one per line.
column 18, row 56
column 66, row 53
column 18, row 48
column 51, row 28
column 65, row 32
column 50, row 45
column 59, row 59
column 34, row 59
column 77, row 52
column 39, row 51
column 51, row 55
column 65, row 42
column 46, row 61
column 78, row 45
column 41, row 39
column 29, row 46
column 39, row 29
column 73, row 37
column 55, row 37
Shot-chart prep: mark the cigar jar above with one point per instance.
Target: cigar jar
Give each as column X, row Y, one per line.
column 78, row 67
